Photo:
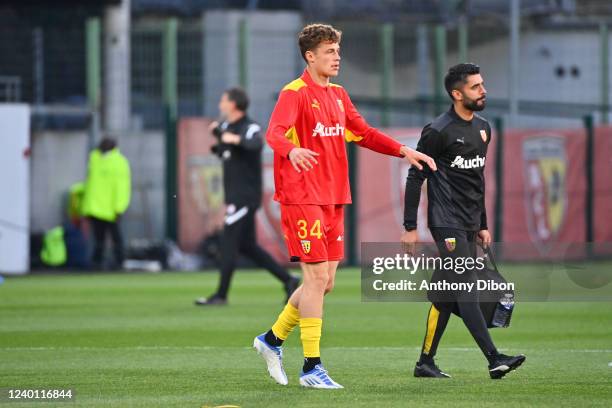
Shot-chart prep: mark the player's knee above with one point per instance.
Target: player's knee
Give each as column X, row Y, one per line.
column 331, row 281
column 321, row 281
column 318, row 280
column 330, row 286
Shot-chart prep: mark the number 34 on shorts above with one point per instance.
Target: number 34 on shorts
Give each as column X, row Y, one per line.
column 313, row 233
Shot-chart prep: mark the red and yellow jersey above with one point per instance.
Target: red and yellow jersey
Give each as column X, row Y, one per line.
column 319, row 118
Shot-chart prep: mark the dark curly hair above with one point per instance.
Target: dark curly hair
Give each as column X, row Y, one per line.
column 314, row 34
column 457, row 75
column 239, row 97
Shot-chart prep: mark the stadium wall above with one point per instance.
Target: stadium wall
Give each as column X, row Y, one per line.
column 556, row 66
column 59, row 159
column 271, row 58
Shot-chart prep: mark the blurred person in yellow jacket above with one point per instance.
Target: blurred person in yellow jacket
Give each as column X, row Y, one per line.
column 107, row 196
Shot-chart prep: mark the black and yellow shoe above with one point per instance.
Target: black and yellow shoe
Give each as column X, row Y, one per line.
column 504, row 364
column 426, row 370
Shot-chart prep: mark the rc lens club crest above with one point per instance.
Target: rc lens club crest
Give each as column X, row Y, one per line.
column 451, row 243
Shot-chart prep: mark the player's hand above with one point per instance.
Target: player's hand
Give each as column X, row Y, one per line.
column 301, row 158
column 409, row 239
column 230, row 138
column 213, row 125
column 415, row 158
column 484, row 237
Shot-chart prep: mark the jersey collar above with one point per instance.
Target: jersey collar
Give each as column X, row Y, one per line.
column 244, row 118
column 310, row 82
column 458, row 118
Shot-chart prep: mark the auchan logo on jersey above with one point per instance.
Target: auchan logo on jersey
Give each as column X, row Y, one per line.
column 325, row 131
column 463, row 163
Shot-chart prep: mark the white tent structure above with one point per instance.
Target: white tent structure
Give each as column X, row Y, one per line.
column 14, row 188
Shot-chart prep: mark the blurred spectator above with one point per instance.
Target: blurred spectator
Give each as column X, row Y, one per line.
column 107, row 196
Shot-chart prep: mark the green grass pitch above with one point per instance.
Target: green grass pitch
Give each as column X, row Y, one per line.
column 136, row 340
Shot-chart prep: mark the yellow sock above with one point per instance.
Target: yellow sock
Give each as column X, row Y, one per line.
column 310, row 329
column 287, row 320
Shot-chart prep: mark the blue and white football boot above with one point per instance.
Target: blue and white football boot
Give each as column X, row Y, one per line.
column 318, row 378
column 273, row 357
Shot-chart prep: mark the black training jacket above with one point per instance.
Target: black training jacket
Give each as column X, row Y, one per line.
column 241, row 162
column 455, row 192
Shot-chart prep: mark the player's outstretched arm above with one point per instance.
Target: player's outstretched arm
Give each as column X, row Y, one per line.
column 360, row 132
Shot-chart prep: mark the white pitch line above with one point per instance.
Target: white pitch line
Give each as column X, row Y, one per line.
column 469, row 349
column 143, row 348
column 208, row 348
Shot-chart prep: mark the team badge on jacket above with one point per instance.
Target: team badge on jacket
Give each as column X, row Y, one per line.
column 483, row 135
column 451, row 243
column 305, row 246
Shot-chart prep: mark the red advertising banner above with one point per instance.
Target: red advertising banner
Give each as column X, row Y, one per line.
column 200, row 192
column 200, row 184
column 544, row 195
column 544, row 190
column 269, row 232
column 380, row 193
column 603, row 185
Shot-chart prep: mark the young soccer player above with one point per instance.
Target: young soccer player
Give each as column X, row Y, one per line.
column 308, row 128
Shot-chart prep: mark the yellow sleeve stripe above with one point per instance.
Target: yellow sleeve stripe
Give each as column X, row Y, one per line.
column 351, row 137
column 292, row 135
column 295, row 85
column 335, row 85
